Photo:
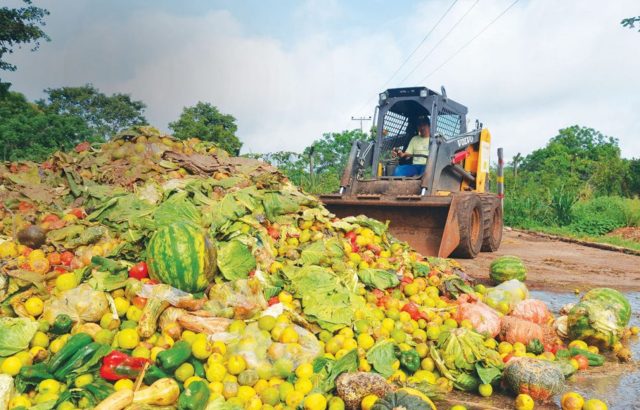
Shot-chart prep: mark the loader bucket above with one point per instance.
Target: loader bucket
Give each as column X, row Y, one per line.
column 431, row 228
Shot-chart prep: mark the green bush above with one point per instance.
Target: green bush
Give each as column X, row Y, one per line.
column 602, row 215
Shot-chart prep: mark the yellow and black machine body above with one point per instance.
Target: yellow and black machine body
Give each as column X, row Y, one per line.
column 446, row 208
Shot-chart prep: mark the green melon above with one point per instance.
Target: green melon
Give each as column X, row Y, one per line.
column 182, row 256
column 506, row 268
column 613, row 300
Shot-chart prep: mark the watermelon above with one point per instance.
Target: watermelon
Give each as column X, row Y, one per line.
column 600, row 317
column 506, row 268
column 182, row 256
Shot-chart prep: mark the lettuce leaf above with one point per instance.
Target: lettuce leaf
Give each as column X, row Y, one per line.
column 15, row 334
column 235, row 260
column 378, row 278
column 381, row 356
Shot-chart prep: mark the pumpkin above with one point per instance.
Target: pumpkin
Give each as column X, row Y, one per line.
column 599, row 317
column 401, row 400
column 506, row 268
column 539, row 379
column 533, row 310
column 182, row 256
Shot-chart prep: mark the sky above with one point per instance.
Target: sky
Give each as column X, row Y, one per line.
column 289, row 71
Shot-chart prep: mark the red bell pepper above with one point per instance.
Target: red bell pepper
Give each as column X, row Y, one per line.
column 117, row 365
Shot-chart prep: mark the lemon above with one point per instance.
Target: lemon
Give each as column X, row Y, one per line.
column 505, row 348
column 305, row 370
column 270, row 396
column 83, row 380
column 20, row 401
column 49, row 386
column 123, row 384
column 40, row 339
column 11, row 366
column 303, row 385
column 246, row 393
column 368, row 402
column 524, row 402
column 236, row 364
column 193, row 379
column 294, row 399
column 289, row 335
column 122, row 305
column 315, row 401
column 594, row 404
column 128, row 338
column 284, row 389
column 134, row 313
column 266, row 323
column 45, row 397
column 336, row 403
column 427, row 364
column 485, row 390
column 141, row 351
column 201, row 349
column 34, row 306
column 184, row 371
column 66, row 281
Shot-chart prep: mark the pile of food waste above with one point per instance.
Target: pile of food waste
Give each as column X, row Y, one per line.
column 154, row 273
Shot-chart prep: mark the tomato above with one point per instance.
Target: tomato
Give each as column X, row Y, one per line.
column 273, row 300
column 351, row 236
column 83, row 146
column 26, row 251
column 354, row 248
column 583, row 362
column 139, row 302
column 412, row 309
column 50, row 218
column 54, row 258
column 56, row 224
column 273, row 232
column 66, row 258
column 24, row 206
column 78, row 213
column 139, row 271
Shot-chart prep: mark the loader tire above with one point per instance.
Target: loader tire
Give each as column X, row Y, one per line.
column 492, row 212
column 471, row 223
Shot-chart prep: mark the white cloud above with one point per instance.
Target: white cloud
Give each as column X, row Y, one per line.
column 543, row 66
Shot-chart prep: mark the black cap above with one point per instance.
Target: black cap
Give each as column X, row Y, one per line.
column 423, row 119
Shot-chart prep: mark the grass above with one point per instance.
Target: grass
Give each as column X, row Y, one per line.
column 568, row 233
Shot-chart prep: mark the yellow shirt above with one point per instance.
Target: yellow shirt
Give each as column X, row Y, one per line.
column 419, row 145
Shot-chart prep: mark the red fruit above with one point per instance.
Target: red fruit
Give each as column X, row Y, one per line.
column 24, row 206
column 377, row 293
column 54, row 258
column 406, row 279
column 412, row 309
column 26, row 251
column 139, row 271
column 25, row 266
column 252, row 273
column 78, row 212
column 351, row 236
column 50, row 218
column 273, row 300
column 83, row 146
column 583, row 362
column 383, row 301
column 59, row 270
column 47, row 165
column 507, row 358
column 139, row 302
column 376, row 249
column 354, row 248
column 66, row 258
column 273, row 232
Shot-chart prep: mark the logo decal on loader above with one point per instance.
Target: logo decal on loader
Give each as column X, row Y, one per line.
column 464, row 141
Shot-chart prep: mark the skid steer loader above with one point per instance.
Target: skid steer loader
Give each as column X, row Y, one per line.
column 446, row 209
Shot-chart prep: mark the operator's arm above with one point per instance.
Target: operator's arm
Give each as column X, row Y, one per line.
column 410, row 150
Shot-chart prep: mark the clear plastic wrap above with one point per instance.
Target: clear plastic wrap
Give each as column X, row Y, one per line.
column 484, row 319
column 82, row 304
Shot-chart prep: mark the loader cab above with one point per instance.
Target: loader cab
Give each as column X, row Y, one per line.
column 397, row 116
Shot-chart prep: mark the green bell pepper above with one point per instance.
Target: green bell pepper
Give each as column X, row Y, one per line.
column 410, row 360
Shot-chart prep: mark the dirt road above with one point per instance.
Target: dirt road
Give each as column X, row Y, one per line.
column 560, row 266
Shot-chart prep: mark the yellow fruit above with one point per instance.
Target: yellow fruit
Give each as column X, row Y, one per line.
column 594, row 404
column 134, row 313
column 519, row 347
column 201, row 349
column 122, row 305
column 123, row 384
column 40, row 339
column 66, row 281
column 216, row 372
column 57, row 344
column 368, row 402
column 184, row 371
column 83, row 380
column 315, row 401
column 289, row 335
column 154, row 352
column 11, row 366
column 580, row 344
column 141, row 351
column 572, row 401
column 305, row 370
column 236, row 364
column 8, row 249
column 20, row 401
column 524, row 402
column 303, row 385
column 246, row 393
column 285, row 297
column 128, row 338
column 505, row 347
column 34, row 306
column 49, row 386
column 485, row 390
column 294, row 398
column 365, row 341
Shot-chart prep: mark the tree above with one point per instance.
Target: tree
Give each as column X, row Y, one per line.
column 630, row 22
column 20, row 26
column 27, row 132
column 104, row 115
column 204, row 121
column 330, row 153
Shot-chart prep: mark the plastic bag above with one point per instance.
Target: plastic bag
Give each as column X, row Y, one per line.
column 484, row 319
column 533, row 310
column 516, row 289
column 497, row 298
column 241, row 299
column 82, row 304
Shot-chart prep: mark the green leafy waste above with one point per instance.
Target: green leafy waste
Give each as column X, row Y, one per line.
column 235, row 260
column 382, row 356
column 15, row 334
column 327, row 370
column 378, row 278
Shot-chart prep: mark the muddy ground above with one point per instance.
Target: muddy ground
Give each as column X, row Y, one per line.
column 561, row 266
column 556, row 270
